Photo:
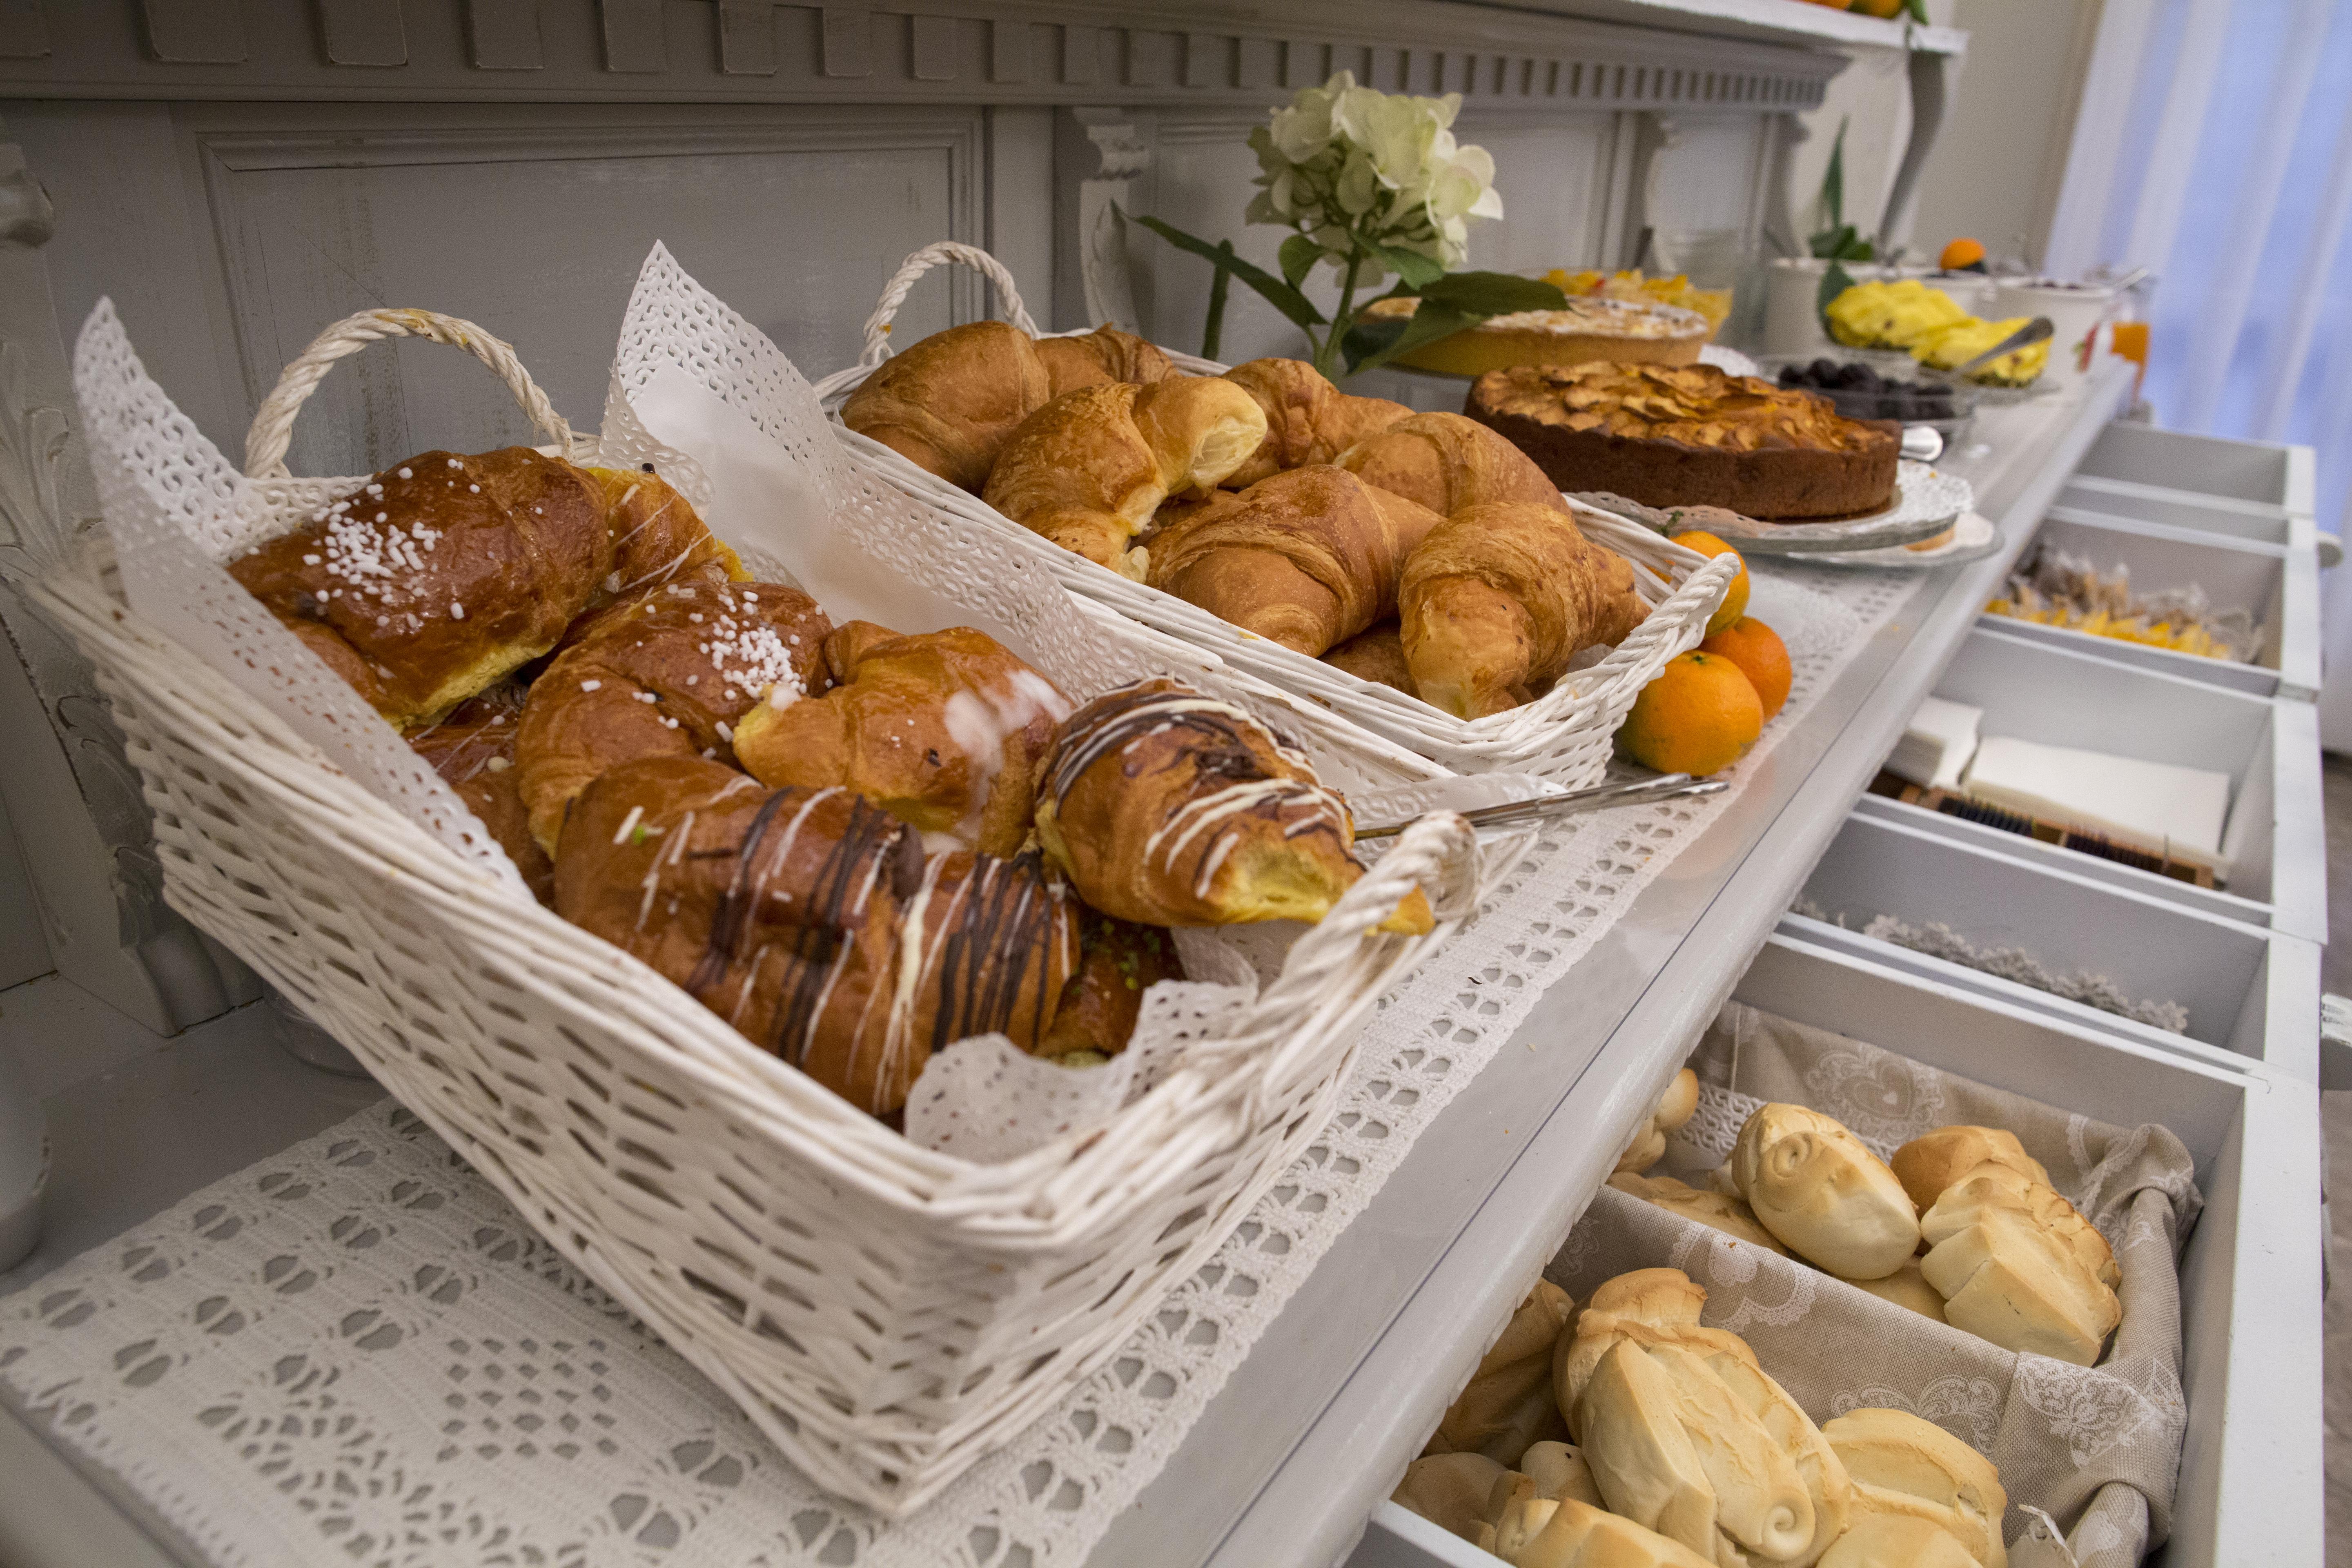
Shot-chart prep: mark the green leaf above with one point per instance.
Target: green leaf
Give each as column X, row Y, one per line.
column 1834, row 282
column 1372, row 345
column 1833, row 179
column 1299, row 255
column 1493, row 293
column 1280, row 295
column 1415, row 271
column 1916, row 10
column 1213, row 331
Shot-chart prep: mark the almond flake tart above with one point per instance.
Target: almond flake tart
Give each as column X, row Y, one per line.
column 1691, row 436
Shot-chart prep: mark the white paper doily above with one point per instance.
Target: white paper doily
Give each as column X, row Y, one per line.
column 355, row 1350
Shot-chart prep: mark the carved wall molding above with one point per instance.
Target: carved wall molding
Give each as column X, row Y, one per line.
column 1076, row 52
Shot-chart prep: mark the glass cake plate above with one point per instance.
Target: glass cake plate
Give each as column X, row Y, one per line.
column 1926, row 502
column 1973, row 538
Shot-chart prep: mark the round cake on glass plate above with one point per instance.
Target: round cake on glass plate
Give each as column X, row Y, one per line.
column 1624, row 330
column 1692, row 435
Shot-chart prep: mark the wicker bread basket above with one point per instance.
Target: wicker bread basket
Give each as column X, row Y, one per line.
column 886, row 1313
column 1564, row 736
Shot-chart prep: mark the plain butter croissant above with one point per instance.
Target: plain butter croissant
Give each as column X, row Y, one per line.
column 949, row 401
column 1497, row 600
column 1308, row 558
column 1307, row 419
column 1089, row 469
column 1446, row 463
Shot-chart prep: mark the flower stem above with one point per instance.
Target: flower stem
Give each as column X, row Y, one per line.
column 1326, row 353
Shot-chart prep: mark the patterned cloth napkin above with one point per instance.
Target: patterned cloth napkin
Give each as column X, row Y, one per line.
column 2096, row 1448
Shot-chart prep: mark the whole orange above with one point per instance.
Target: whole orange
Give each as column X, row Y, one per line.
column 1961, row 253
column 1698, row 716
column 1761, row 657
column 1735, row 598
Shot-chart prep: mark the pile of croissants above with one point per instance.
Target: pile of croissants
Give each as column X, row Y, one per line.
column 1422, row 551
column 1629, row 1436
column 1962, row 1226
column 853, row 846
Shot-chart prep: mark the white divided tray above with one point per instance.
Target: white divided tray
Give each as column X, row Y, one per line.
column 2251, row 1491
column 2247, row 990
column 2275, row 837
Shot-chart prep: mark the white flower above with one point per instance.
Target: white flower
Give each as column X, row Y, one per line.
column 1358, row 184
column 1304, row 128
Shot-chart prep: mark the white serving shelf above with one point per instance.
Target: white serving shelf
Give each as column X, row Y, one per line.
column 2248, row 991
column 2251, row 1487
column 1782, row 21
column 2033, row 690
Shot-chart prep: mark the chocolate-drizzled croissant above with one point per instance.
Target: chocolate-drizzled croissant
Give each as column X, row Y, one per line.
column 668, row 673
column 473, row 751
column 943, row 730
column 1167, row 807
column 810, row 921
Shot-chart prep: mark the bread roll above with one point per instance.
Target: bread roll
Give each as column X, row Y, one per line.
column 1507, row 1406
column 2017, row 1266
column 1089, row 469
column 1935, row 1160
column 1499, row 597
column 1815, row 1186
column 1896, row 1540
column 1306, row 558
column 1541, row 1532
column 1676, row 1106
column 1447, row 463
column 1647, row 1306
column 1451, row 1490
column 1558, row 1470
column 1308, row 420
column 1717, row 1211
column 1905, row 1287
column 1903, row 1466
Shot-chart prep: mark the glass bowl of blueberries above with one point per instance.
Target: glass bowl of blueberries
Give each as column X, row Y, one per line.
column 1862, row 390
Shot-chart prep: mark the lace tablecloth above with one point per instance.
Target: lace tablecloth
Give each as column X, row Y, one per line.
column 357, row 1349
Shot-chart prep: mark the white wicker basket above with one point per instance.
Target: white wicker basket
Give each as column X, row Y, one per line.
column 885, row 1313
column 1564, row 736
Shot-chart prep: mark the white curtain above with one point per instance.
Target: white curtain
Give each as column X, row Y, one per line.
column 2214, row 143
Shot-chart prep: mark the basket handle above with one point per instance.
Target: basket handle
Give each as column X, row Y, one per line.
column 894, row 294
column 273, row 425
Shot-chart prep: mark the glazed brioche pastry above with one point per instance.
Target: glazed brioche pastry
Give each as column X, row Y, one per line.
column 942, row 730
column 1906, row 1288
column 1377, row 656
column 439, row 576
column 1815, row 1186
column 1569, row 1532
column 1717, row 1211
column 472, row 748
column 1686, row 1436
column 1497, row 600
column 1896, row 1540
column 1451, row 1491
column 1507, row 1407
column 1676, row 1106
column 1935, row 1160
column 1446, row 463
column 949, row 401
column 1089, row 469
column 1307, row 419
column 657, row 536
column 1306, row 558
column 1904, row 1467
column 2016, row 1264
column 810, row 922
column 1167, row 807
column 671, row 672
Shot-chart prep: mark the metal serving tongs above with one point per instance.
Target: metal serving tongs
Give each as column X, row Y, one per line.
column 2025, row 337
column 1601, row 797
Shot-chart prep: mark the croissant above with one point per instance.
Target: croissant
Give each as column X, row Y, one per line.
column 657, row 537
column 1167, row 807
column 949, row 401
column 1497, row 600
column 669, row 673
column 1377, row 656
column 942, row 730
column 1446, row 463
column 473, row 751
column 1118, row 961
column 439, row 576
column 1089, row 469
column 810, row 921
column 1307, row 559
column 1307, row 419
